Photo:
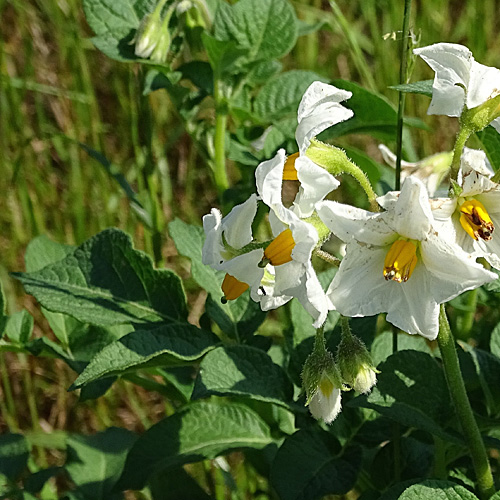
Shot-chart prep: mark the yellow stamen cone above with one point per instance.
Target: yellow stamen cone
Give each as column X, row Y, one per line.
column 289, row 171
column 232, row 288
column 476, row 220
column 280, row 249
column 400, row 261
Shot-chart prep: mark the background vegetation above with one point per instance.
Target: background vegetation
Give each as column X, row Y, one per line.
column 58, row 92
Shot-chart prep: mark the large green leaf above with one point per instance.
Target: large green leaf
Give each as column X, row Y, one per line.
column 495, row 341
column 115, row 24
column 281, row 95
column 267, row 29
column 106, row 282
column 95, row 462
column 422, row 87
column 306, row 466
column 437, row 490
column 412, row 390
column 200, row 430
column 373, row 114
column 242, row 370
column 176, row 484
column 141, row 348
column 19, row 327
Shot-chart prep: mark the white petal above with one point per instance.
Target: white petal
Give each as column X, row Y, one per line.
column 318, row 110
column 452, row 64
column 269, row 178
column 350, row 223
column 237, row 225
column 443, row 208
column 245, row 267
column 388, row 200
column 484, row 84
column 212, row 248
column 453, row 271
column 411, row 215
column 315, row 184
column 390, row 158
column 326, row 407
column 360, row 289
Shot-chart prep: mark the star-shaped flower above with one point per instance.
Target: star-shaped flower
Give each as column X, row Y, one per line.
column 397, row 262
column 459, row 81
column 319, row 109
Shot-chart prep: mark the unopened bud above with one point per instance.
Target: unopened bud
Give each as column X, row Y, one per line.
column 355, row 364
column 322, row 382
column 151, row 31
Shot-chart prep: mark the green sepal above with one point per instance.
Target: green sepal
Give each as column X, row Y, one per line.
column 455, row 189
column 478, row 118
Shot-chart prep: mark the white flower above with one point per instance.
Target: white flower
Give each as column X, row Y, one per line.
column 365, row 379
column 276, row 273
column 459, row 80
column 473, row 219
column 396, row 262
column 326, row 403
column 226, row 237
column 430, row 171
column 318, row 110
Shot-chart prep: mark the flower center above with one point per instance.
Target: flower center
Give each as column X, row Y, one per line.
column 475, row 220
column 400, row 261
column 232, row 288
column 289, row 171
column 279, row 251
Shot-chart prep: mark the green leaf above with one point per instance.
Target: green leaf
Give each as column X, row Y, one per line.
column 115, row 24
column 225, row 56
column 382, row 345
column 490, row 140
column 41, row 252
column 239, row 318
column 176, row 483
column 488, row 371
column 306, row 467
column 496, row 496
column 495, row 341
column 373, row 114
column 19, row 327
column 147, row 348
column 95, row 462
column 437, row 490
column 242, row 371
column 200, row 430
column 267, row 29
column 423, row 87
column 36, row 481
column 14, row 453
column 281, row 95
column 106, row 282
column 3, row 315
column 412, row 390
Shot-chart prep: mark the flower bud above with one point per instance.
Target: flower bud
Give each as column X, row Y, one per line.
column 322, row 382
column 150, row 32
column 355, row 364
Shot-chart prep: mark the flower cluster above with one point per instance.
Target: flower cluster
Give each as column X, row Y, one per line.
column 404, row 258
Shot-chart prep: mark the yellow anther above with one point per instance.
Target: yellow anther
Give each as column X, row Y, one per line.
column 400, row 261
column 232, row 288
column 279, row 251
column 476, row 221
column 289, row 171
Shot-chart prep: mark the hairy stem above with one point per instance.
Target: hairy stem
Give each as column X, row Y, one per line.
column 463, row 408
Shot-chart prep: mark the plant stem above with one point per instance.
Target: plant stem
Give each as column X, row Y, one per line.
column 403, row 76
column 463, row 408
column 220, row 174
column 463, row 135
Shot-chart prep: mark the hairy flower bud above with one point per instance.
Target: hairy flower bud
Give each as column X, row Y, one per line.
column 355, row 364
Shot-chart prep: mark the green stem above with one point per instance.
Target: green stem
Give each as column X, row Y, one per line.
column 463, row 135
column 440, row 471
column 463, row 408
column 403, row 76
column 468, row 319
column 336, row 162
column 345, row 328
column 220, row 174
